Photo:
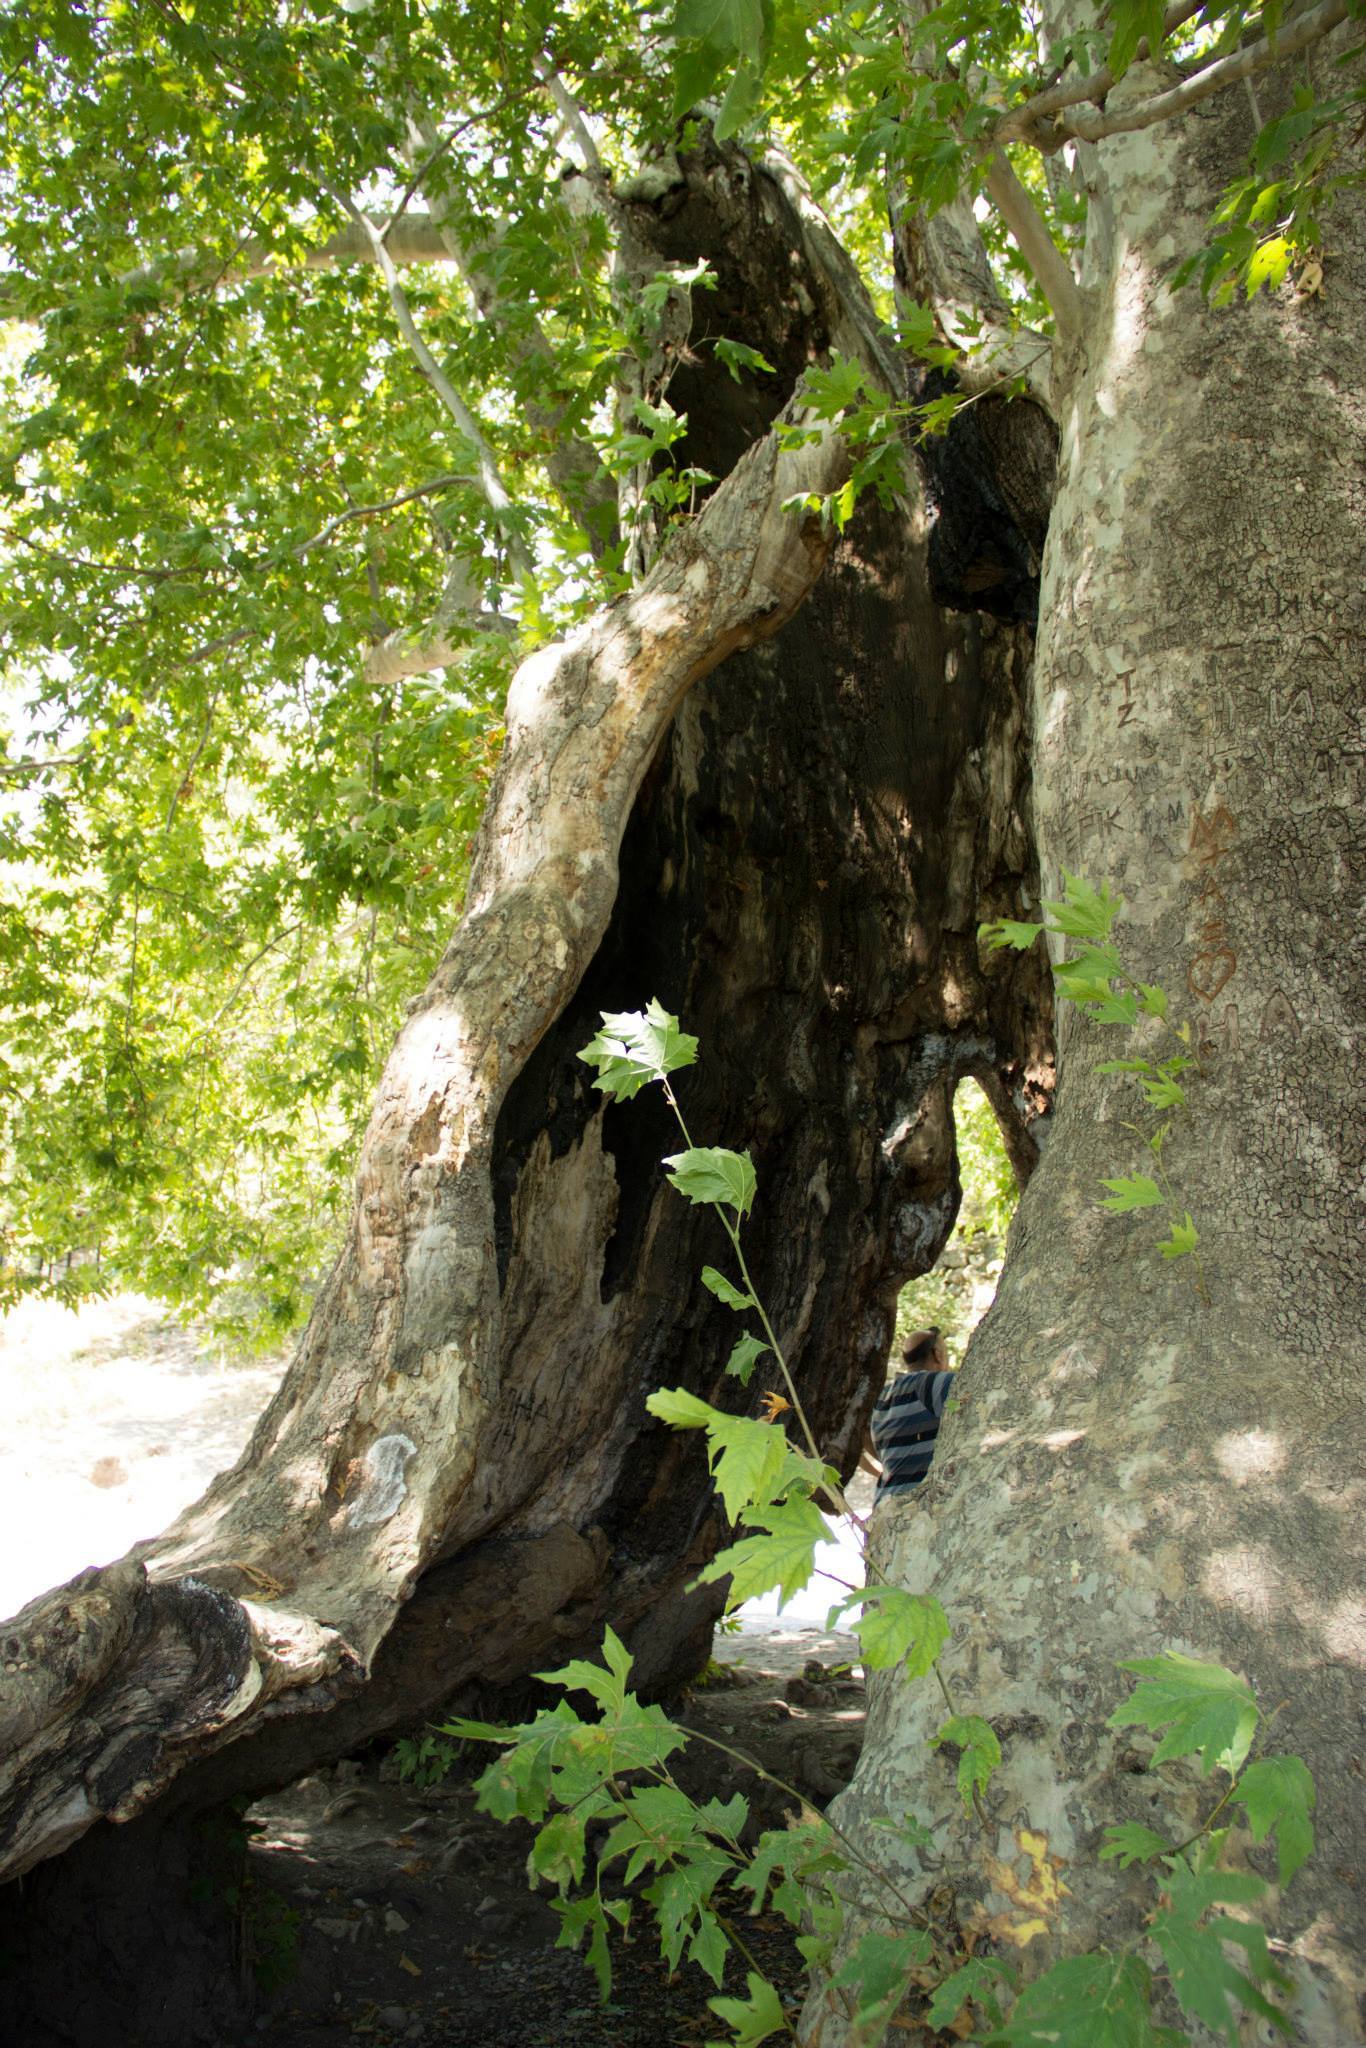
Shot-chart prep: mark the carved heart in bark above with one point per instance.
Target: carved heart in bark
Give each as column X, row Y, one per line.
column 1210, row 971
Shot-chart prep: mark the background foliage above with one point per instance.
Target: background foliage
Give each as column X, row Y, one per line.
column 237, row 470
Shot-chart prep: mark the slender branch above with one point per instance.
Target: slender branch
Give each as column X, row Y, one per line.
column 414, row 239
column 1052, row 272
column 438, row 483
column 1294, row 35
column 571, row 111
column 188, row 777
column 915, row 1914
column 19, row 771
column 118, row 566
column 235, row 638
column 572, row 463
column 221, row 1012
column 491, row 482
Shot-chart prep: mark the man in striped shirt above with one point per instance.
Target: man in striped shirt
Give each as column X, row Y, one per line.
column 906, row 1415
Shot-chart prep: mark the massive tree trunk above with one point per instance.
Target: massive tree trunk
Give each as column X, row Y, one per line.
column 1136, row 1466
column 458, row 1481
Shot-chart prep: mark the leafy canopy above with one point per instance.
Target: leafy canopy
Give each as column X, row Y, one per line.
column 322, row 396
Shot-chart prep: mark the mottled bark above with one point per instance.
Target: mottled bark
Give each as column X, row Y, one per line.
column 1134, row 1467
column 458, row 1482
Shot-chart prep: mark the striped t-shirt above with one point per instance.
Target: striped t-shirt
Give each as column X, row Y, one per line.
column 904, row 1424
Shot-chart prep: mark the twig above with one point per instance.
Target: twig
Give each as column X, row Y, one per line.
column 438, row 483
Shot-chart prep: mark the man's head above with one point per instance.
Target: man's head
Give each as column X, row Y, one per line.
column 925, row 1351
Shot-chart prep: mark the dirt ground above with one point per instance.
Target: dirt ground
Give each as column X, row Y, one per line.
column 397, row 1914
column 375, row 1909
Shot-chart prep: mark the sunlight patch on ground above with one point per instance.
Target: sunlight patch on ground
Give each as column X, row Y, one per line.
column 115, row 1420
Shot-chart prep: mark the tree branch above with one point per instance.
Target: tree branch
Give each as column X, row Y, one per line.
column 413, row 239
column 1027, row 122
column 570, row 111
column 438, row 483
column 490, row 480
column 1052, row 272
column 397, row 656
column 1294, row 35
column 572, row 463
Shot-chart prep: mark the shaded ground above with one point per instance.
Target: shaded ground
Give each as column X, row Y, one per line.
column 396, row 1914
column 378, row 1910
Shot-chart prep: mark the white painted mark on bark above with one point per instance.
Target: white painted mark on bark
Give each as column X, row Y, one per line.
column 1250, row 1454
column 384, row 1486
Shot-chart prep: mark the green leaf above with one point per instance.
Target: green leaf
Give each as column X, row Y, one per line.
column 1134, row 20
column 1154, row 999
column 1086, row 977
column 1183, row 1239
column 605, row 1682
column 588, row 1915
column 1084, row 912
column 680, row 1899
column 981, row 1752
column 791, row 1860
column 743, row 1359
column 710, row 1173
column 1206, row 1710
column 1278, row 1793
column 557, row 1854
column 728, row 24
column 751, row 2019
column 748, row 1457
column 717, row 1284
column 784, row 1557
column 1208, row 1984
column 737, row 356
column 978, row 1980
column 1132, row 1191
column 897, row 1627
column 1095, row 2001
column 1009, row 931
column 635, row 1047
column 1130, row 1842
column 879, row 1970
column 697, row 73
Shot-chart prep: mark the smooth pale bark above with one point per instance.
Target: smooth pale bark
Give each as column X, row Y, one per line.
column 1134, row 1467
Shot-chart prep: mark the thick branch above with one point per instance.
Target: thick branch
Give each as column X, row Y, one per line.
column 361, row 1470
column 400, row 655
column 413, row 239
column 1293, row 36
column 1036, row 120
column 1052, row 272
column 570, row 112
column 571, row 463
column 1032, row 120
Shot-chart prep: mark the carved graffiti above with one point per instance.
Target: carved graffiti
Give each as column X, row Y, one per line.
column 1279, row 1017
column 1214, row 963
column 1210, row 971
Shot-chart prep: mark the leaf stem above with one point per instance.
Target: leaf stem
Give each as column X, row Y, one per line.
column 833, row 1493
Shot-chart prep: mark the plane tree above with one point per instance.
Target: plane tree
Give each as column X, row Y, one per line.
column 422, row 417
